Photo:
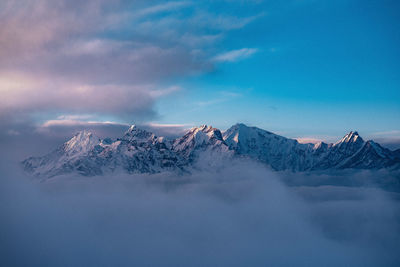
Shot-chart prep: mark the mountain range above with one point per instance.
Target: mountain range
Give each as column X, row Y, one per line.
column 140, row 151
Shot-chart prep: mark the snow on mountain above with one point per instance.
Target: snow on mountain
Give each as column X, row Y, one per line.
column 140, row 151
column 204, row 144
column 372, row 156
column 81, row 144
column 277, row 151
column 287, row 154
column 338, row 152
column 74, row 155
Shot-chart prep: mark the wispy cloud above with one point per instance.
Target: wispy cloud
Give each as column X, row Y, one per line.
column 308, row 140
column 105, row 57
column 224, row 21
column 390, row 139
column 235, row 55
column 165, row 91
column 210, row 102
column 169, row 6
column 222, row 96
column 31, row 94
column 70, row 122
column 317, row 139
column 393, row 133
column 167, row 125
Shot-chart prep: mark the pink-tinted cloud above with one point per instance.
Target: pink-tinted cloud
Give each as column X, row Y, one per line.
column 102, row 57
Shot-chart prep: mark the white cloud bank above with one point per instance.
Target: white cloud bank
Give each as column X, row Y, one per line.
column 102, row 57
column 239, row 216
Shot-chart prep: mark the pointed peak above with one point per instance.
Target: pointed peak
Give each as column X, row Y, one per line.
column 352, row 133
column 81, row 142
column 320, row 145
column 203, row 127
column 205, row 130
column 135, row 133
column 351, row 137
column 132, row 127
column 83, row 135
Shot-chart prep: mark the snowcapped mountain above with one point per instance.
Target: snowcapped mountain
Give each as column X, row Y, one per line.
column 74, row 155
column 204, row 144
column 277, row 151
column 337, row 153
column 287, row 154
column 139, row 151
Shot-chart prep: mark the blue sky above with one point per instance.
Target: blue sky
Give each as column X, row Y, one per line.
column 301, row 68
column 321, row 67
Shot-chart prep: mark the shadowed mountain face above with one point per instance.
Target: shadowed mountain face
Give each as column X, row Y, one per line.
column 140, row 151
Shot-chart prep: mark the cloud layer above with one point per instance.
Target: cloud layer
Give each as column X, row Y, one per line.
column 240, row 216
column 103, row 57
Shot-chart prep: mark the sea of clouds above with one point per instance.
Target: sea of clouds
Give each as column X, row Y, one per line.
column 239, row 215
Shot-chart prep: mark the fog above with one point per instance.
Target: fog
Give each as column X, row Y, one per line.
column 240, row 215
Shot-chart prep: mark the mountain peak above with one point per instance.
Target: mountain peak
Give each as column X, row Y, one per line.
column 244, row 131
column 199, row 140
column 139, row 135
column 351, row 137
column 198, row 136
column 141, row 151
column 82, row 141
column 82, row 133
column 132, row 127
column 353, row 133
column 82, row 136
column 239, row 125
column 206, row 130
column 202, row 128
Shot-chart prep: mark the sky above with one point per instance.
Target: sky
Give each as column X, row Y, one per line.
column 301, row 68
column 306, row 69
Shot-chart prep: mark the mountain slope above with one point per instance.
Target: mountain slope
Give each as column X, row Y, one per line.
column 76, row 155
column 137, row 151
column 277, row 151
column 287, row 154
column 372, row 156
column 204, row 144
column 140, row 151
column 337, row 153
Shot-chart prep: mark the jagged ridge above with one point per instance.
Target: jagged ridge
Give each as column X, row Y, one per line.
column 140, row 151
